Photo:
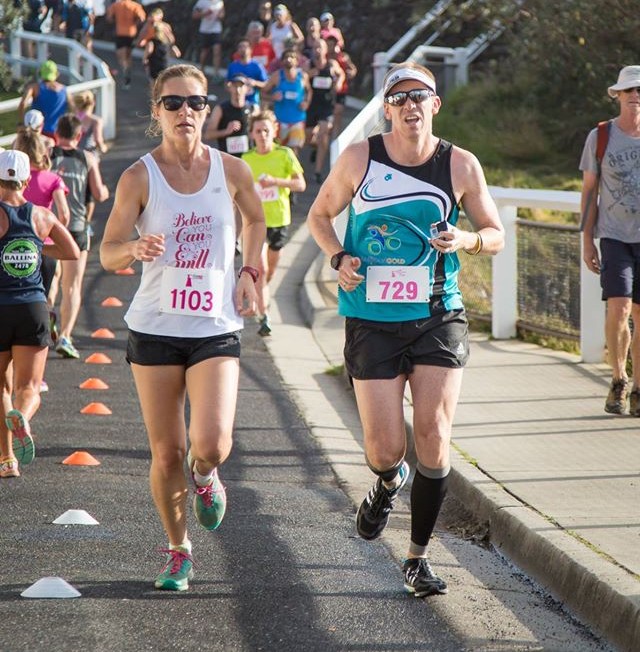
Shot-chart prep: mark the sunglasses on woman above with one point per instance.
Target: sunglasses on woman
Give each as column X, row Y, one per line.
column 175, row 102
column 416, row 95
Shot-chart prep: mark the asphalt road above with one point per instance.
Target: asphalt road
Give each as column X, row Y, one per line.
column 284, row 572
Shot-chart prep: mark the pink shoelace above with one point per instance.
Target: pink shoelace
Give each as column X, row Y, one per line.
column 176, row 559
column 215, row 487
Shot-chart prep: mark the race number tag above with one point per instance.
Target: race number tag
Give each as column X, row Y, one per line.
column 237, row 144
column 270, row 193
column 397, row 284
column 323, row 83
column 291, row 95
column 194, row 293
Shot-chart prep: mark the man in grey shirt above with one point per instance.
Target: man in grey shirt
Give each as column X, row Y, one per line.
column 611, row 212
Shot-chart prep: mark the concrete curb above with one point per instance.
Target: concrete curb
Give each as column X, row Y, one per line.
column 595, row 589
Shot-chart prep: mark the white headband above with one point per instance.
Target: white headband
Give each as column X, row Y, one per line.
column 408, row 73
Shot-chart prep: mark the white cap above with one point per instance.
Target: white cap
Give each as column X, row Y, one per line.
column 327, row 15
column 408, row 73
column 33, row 118
column 14, row 165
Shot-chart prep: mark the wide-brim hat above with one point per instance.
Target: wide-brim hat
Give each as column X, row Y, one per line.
column 629, row 77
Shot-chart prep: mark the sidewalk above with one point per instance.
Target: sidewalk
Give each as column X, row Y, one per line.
column 535, row 457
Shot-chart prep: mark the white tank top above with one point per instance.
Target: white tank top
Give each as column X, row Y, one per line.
column 190, row 290
column 278, row 36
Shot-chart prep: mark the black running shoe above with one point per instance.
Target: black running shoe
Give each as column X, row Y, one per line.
column 420, row 580
column 374, row 511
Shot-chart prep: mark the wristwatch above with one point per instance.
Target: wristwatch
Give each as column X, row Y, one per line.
column 336, row 259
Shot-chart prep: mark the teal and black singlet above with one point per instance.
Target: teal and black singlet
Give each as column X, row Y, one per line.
column 389, row 224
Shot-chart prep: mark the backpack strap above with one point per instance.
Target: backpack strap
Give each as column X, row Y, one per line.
column 604, row 129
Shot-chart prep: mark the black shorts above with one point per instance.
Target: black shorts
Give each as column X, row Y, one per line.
column 209, row 40
column 154, row 350
column 381, row 350
column 277, row 237
column 620, row 270
column 124, row 42
column 341, row 98
column 82, row 238
column 319, row 114
column 24, row 324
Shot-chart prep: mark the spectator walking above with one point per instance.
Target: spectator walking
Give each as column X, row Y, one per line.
column 80, row 171
column 291, row 94
column 48, row 96
column 128, row 16
column 276, row 173
column 283, row 31
column 185, row 343
column 403, row 189
column 210, row 13
column 24, row 328
column 611, row 212
column 254, row 72
column 325, row 75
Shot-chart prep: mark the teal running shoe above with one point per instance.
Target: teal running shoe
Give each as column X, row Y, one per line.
column 176, row 572
column 24, row 449
column 66, row 349
column 210, row 502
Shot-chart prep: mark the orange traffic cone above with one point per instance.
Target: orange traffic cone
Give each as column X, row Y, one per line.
column 98, row 358
column 111, row 302
column 81, row 458
column 104, row 333
column 95, row 408
column 93, row 383
column 127, row 271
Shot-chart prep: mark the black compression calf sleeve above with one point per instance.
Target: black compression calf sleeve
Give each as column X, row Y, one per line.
column 427, row 496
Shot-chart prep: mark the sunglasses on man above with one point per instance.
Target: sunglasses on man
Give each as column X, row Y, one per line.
column 175, row 102
column 416, row 95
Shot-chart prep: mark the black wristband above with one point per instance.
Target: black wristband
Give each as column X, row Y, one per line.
column 336, row 259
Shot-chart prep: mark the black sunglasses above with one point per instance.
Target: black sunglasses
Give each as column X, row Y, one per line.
column 175, row 102
column 630, row 90
column 416, row 95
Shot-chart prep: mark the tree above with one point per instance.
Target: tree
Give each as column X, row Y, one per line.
column 11, row 11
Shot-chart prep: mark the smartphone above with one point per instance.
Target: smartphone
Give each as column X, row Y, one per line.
column 438, row 227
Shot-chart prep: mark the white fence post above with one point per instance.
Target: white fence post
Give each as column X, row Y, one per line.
column 505, row 279
column 592, row 316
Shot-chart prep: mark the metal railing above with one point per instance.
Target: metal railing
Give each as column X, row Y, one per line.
column 82, row 70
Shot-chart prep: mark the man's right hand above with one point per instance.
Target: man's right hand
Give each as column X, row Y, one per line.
column 591, row 256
